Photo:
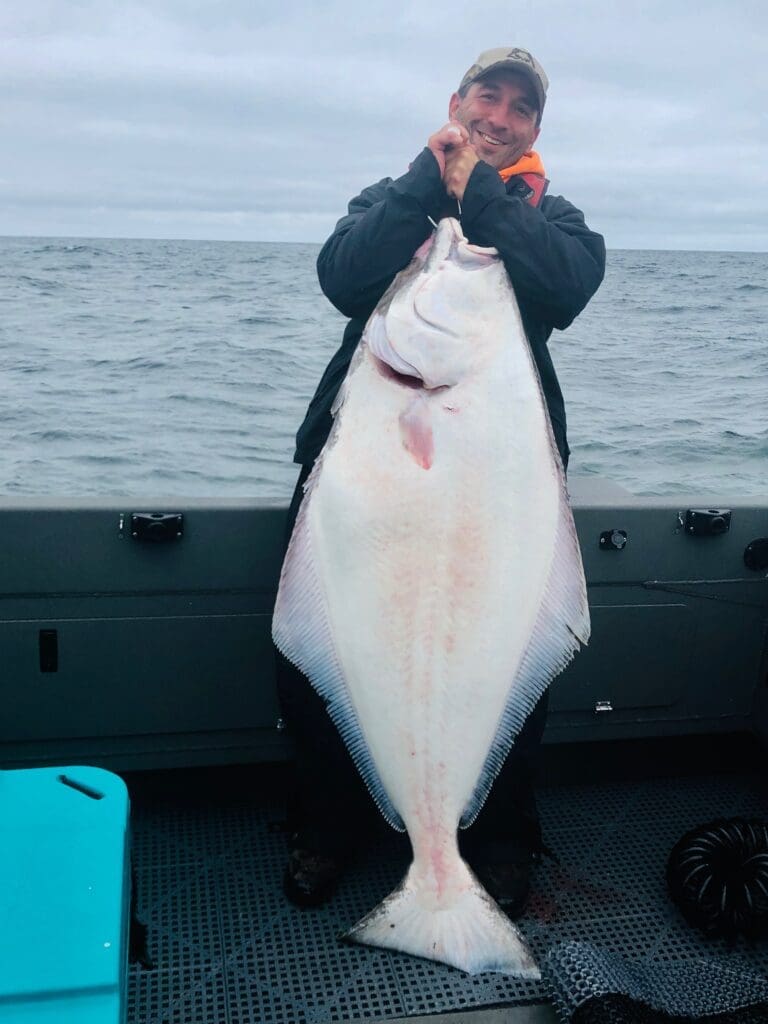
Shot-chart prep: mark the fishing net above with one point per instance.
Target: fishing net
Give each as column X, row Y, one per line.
column 590, row 986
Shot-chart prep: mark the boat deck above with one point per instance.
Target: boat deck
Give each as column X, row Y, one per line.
column 209, row 851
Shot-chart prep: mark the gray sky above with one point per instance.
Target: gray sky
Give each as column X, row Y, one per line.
column 255, row 120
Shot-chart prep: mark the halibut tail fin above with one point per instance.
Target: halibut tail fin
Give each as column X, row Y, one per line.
column 466, row 930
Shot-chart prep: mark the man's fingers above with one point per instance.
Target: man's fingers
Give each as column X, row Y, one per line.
column 458, row 133
column 448, row 139
column 451, row 134
column 458, row 166
column 462, row 151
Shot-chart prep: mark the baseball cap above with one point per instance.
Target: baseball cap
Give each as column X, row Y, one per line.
column 517, row 60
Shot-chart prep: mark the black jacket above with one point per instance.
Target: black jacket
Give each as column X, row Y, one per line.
column 555, row 264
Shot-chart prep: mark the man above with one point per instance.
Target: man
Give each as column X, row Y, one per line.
column 481, row 167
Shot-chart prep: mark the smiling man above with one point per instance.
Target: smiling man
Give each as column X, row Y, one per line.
column 481, row 167
column 500, row 112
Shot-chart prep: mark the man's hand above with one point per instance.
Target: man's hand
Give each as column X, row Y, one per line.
column 446, row 140
column 459, row 164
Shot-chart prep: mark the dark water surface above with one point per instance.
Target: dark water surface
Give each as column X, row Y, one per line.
column 167, row 368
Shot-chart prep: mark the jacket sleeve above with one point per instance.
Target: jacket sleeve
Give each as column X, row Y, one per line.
column 554, row 261
column 384, row 227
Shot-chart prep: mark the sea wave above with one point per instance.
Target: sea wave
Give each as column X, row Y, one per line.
column 190, row 364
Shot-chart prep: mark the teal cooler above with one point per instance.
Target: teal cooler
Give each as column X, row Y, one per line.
column 64, row 896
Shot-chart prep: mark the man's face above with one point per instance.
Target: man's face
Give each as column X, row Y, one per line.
column 500, row 113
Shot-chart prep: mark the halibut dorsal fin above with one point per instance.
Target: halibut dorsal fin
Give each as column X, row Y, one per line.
column 301, row 630
column 561, row 627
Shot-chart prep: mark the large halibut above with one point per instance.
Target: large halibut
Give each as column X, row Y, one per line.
column 433, row 586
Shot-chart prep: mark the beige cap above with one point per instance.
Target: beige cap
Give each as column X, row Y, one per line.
column 515, row 59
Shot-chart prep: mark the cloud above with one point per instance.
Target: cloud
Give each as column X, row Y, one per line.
column 209, row 120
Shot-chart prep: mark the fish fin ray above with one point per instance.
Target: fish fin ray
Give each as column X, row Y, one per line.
column 341, row 394
column 471, row 933
column 562, row 626
column 302, row 632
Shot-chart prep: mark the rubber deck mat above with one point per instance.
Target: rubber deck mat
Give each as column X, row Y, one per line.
column 229, row 949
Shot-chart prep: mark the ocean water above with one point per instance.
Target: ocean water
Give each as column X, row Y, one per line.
column 170, row 368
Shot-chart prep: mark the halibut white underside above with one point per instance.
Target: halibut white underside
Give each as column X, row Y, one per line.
column 433, row 586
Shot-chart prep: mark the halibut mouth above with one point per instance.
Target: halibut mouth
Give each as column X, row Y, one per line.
column 407, row 380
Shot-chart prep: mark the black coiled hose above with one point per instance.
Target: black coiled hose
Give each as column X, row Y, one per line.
column 717, row 874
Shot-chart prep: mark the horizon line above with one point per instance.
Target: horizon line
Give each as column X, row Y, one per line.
column 267, row 241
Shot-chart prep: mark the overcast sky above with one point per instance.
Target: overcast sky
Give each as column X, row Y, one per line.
column 242, row 119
